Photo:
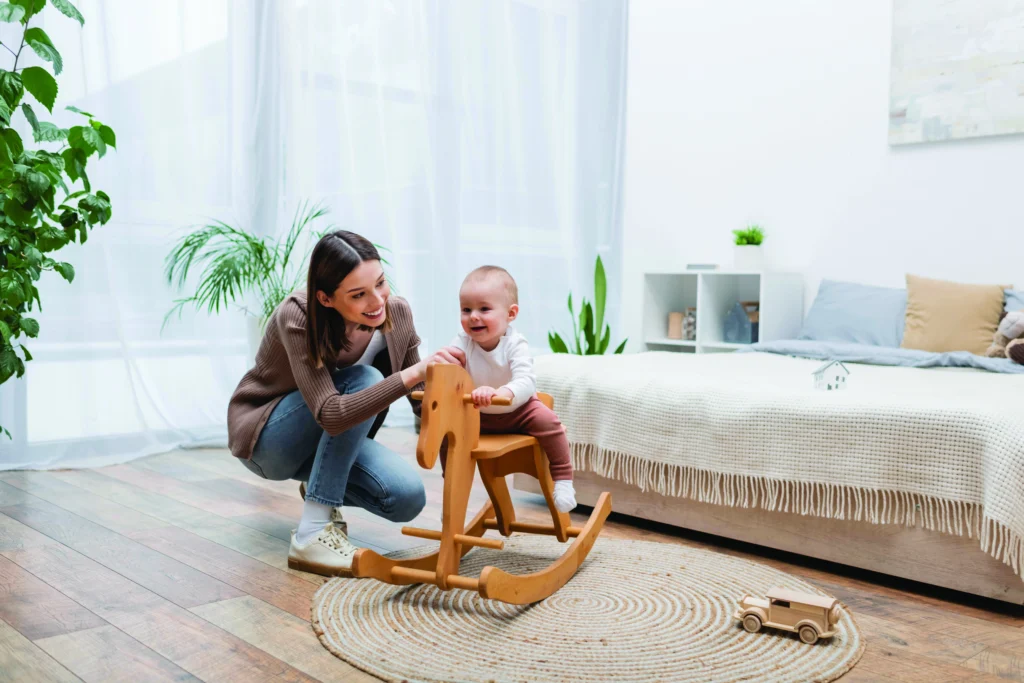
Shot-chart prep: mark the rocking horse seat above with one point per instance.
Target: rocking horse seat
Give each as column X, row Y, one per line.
column 497, row 445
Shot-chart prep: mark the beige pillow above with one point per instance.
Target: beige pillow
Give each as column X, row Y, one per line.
column 950, row 316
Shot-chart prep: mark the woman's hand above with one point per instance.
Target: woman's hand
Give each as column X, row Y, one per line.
column 450, row 354
column 415, row 374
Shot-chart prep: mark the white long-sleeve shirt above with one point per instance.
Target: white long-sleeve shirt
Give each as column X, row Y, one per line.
column 509, row 365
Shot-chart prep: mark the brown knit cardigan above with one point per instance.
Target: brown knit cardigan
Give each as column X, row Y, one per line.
column 283, row 365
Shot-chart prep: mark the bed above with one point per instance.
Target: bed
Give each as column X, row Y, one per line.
column 915, row 469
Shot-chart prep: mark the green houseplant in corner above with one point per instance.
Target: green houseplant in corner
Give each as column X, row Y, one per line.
column 590, row 334
column 40, row 210
column 748, row 252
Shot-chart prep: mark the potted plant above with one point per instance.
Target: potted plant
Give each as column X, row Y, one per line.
column 252, row 273
column 588, row 336
column 41, row 209
column 748, row 251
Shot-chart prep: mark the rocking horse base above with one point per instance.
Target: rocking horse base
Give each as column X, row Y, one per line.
column 493, row 583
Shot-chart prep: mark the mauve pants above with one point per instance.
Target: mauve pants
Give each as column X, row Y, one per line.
column 537, row 420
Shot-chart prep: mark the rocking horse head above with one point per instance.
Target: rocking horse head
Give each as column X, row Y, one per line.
column 444, row 414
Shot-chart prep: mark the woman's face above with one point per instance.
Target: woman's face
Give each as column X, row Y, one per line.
column 361, row 296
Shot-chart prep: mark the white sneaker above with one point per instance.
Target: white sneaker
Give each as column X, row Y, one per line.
column 336, row 518
column 565, row 495
column 329, row 553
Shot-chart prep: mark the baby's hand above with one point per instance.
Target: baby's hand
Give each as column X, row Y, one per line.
column 482, row 396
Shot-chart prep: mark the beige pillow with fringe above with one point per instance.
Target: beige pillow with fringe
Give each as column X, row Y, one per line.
column 950, row 316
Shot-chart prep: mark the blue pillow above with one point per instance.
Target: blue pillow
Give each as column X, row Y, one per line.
column 859, row 314
column 1014, row 300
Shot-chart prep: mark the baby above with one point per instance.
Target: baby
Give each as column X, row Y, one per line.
column 498, row 360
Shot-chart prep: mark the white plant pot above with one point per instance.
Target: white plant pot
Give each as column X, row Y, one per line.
column 254, row 335
column 748, row 257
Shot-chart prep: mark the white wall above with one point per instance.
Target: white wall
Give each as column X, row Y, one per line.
column 776, row 112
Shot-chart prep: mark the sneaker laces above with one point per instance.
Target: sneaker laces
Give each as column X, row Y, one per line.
column 339, row 521
column 336, row 540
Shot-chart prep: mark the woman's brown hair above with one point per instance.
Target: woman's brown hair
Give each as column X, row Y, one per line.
column 335, row 256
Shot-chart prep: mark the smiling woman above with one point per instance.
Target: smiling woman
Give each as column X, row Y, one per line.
column 332, row 359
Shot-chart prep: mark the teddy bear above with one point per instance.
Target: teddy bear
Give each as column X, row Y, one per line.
column 1009, row 338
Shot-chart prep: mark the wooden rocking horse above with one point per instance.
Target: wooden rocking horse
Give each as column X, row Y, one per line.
column 448, row 412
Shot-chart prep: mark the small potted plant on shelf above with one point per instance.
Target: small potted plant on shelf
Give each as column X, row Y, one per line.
column 748, row 252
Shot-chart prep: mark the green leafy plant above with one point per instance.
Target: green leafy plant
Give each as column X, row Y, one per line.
column 41, row 211
column 236, row 264
column 591, row 335
column 751, row 235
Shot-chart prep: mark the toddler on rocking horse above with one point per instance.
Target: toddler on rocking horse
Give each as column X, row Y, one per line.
column 499, row 362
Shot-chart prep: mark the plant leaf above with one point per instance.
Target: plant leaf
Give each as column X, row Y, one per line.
column 621, row 346
column 70, row 167
column 556, row 343
column 605, row 340
column 8, row 361
column 43, row 46
column 41, row 84
column 13, row 141
column 78, row 111
column 30, row 116
column 107, row 135
column 11, row 13
column 5, row 333
column 30, row 6
column 68, row 10
column 37, row 182
column 5, row 112
column 11, row 88
column 14, row 210
column 580, row 335
column 11, row 291
column 66, row 270
column 30, row 326
column 600, row 290
column 48, row 132
column 33, row 256
column 87, row 139
column 50, row 238
column 588, row 328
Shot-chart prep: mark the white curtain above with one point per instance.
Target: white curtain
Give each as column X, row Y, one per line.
column 452, row 132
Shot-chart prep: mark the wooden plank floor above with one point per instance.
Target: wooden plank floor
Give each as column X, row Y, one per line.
column 174, row 567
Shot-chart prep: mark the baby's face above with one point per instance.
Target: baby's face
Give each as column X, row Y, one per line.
column 486, row 312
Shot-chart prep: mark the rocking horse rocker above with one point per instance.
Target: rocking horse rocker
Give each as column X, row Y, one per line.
column 448, row 412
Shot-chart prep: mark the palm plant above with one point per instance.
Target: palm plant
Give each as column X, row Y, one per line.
column 237, row 264
column 588, row 338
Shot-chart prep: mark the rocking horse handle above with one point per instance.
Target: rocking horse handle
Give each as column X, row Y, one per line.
column 468, row 398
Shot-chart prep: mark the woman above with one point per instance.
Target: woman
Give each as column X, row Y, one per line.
column 333, row 358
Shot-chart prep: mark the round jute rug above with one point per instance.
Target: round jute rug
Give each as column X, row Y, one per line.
column 636, row 611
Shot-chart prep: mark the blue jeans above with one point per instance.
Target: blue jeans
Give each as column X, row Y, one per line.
column 347, row 469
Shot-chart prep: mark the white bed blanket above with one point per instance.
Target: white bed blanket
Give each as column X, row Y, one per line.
column 938, row 447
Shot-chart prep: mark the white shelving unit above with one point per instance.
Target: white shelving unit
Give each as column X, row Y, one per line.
column 713, row 293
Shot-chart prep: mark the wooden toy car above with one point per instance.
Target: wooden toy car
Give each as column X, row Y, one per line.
column 811, row 616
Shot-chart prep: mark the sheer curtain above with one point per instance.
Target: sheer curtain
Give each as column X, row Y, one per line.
column 452, row 133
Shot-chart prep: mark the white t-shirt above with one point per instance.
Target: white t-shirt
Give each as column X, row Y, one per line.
column 377, row 342
column 508, row 365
